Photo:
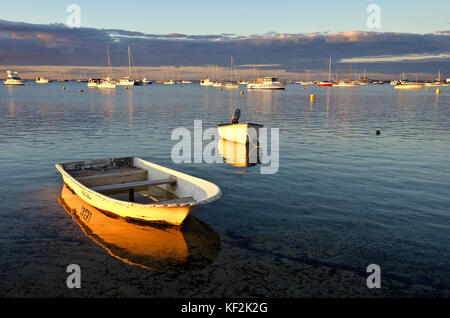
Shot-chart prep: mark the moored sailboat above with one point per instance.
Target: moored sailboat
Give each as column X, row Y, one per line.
column 107, row 82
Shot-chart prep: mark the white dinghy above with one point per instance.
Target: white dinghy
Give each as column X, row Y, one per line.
column 242, row 133
column 133, row 188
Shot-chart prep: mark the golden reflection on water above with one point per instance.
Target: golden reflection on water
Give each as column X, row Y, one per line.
column 130, row 108
column 264, row 100
column 11, row 106
column 165, row 249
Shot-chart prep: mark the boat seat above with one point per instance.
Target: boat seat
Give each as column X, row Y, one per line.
column 132, row 185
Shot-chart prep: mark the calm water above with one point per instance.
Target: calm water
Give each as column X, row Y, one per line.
column 343, row 198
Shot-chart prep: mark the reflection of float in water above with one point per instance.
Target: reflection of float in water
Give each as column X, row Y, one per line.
column 165, row 249
column 239, row 155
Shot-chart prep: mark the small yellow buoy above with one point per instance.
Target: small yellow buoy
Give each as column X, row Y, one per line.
column 81, row 91
column 312, row 97
column 63, row 87
column 438, row 91
column 221, row 89
column 242, row 92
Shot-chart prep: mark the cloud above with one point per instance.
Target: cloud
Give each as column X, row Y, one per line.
column 56, row 44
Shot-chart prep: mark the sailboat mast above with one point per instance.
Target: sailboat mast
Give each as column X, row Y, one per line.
column 129, row 62
column 109, row 69
column 329, row 71
column 231, row 70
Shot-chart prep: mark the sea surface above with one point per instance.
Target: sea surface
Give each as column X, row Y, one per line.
column 342, row 197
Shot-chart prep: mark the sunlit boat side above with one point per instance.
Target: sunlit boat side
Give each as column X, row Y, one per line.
column 93, row 180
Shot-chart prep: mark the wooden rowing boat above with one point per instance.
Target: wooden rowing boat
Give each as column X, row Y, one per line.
column 165, row 249
column 133, row 188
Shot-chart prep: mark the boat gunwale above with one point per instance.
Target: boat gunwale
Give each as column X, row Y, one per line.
column 193, row 203
column 248, row 124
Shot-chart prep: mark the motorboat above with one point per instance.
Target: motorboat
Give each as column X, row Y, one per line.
column 13, row 78
column 93, row 82
column 41, row 80
column 206, row 82
column 405, row 85
column 267, row 83
column 126, row 81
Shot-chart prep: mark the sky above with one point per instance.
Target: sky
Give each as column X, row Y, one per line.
column 237, row 17
column 411, row 36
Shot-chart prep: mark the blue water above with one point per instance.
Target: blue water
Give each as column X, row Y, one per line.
column 342, row 198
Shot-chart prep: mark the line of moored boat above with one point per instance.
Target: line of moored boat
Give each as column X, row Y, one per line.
column 263, row 83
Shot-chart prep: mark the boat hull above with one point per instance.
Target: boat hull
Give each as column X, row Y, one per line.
column 408, row 86
column 241, row 133
column 126, row 83
column 325, row 85
column 14, row 82
column 202, row 192
column 266, row 87
column 106, row 85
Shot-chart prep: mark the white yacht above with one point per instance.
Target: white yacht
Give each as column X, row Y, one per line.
column 41, row 80
column 231, row 84
column 93, row 82
column 13, row 78
column 126, row 81
column 206, row 82
column 408, row 85
column 394, row 82
column 171, row 82
column 267, row 83
column 107, row 83
column 345, row 83
column 143, row 82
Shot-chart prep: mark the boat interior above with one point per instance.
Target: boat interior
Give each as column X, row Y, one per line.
column 119, row 179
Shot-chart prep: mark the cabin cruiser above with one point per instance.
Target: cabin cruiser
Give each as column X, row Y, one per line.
column 94, row 82
column 206, row 82
column 126, row 81
column 41, row 80
column 13, row 79
column 408, row 85
column 268, row 83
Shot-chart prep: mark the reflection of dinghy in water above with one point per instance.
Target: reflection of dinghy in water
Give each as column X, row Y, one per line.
column 166, row 249
column 239, row 132
column 239, row 155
